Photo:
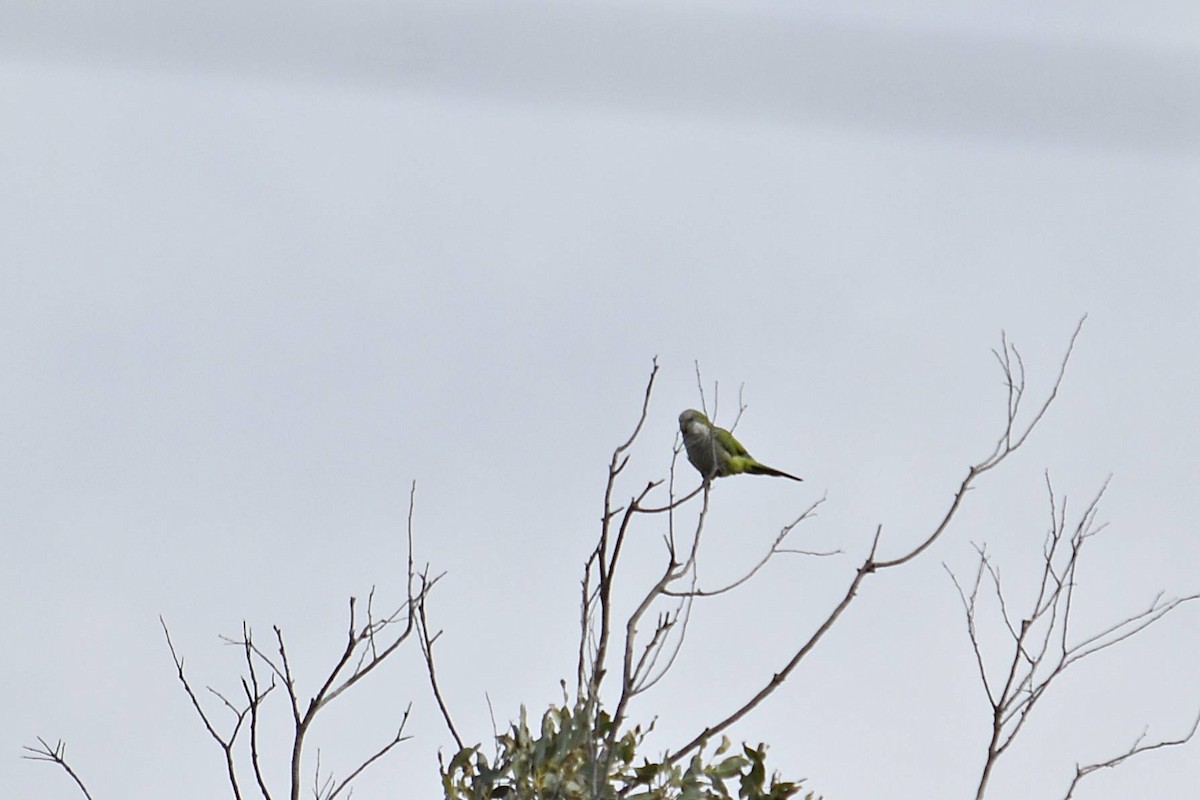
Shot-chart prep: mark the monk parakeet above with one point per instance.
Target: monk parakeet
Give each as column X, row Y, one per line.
column 714, row 451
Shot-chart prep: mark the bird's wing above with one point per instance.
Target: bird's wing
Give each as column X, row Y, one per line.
column 728, row 443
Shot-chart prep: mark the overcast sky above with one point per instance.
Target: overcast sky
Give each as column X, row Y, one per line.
column 263, row 265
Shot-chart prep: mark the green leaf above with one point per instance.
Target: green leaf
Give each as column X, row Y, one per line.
column 728, row 768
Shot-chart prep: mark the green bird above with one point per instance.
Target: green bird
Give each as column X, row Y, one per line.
column 715, row 453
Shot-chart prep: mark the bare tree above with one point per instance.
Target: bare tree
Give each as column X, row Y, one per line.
column 1042, row 644
column 640, row 659
column 586, row 748
column 370, row 640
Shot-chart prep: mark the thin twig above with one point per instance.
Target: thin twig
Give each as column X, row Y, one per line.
column 774, row 550
column 56, row 755
column 397, row 739
column 225, row 745
column 426, row 642
column 1136, row 749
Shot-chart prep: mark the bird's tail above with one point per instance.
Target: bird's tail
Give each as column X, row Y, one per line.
column 762, row 469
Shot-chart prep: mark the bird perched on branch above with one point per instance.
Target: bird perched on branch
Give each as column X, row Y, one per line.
column 715, row 453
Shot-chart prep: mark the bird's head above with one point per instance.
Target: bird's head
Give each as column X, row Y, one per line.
column 692, row 419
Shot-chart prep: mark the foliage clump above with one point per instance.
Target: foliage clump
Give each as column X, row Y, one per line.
column 566, row 759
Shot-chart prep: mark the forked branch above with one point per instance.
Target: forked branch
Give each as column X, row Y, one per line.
column 1041, row 647
column 55, row 755
column 1139, row 746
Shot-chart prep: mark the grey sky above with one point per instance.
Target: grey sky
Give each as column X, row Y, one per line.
column 262, row 266
column 1033, row 80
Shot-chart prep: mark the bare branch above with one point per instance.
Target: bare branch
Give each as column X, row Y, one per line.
column 866, row 568
column 968, row 602
column 365, row 647
column 632, row 674
column 700, row 388
column 254, row 700
column 226, row 745
column 1136, row 749
column 741, row 409
column 1041, row 650
column 1006, row 445
column 397, row 739
column 56, row 755
column 320, row 788
column 774, row 550
column 641, row 417
column 427, row 650
column 600, row 560
column 1010, row 445
column 674, row 504
column 651, row 678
